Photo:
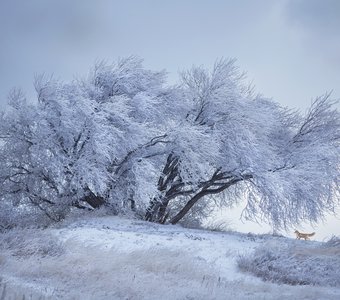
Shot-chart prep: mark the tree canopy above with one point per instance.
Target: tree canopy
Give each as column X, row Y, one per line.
column 123, row 139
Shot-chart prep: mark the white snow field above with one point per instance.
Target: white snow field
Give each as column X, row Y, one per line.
column 117, row 258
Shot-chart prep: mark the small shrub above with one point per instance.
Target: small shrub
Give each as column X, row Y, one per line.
column 289, row 264
column 220, row 226
column 334, row 241
column 11, row 293
column 24, row 243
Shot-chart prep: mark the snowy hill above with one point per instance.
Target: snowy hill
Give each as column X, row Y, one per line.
column 115, row 258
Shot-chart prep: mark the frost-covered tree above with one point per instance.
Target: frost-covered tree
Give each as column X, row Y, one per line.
column 123, row 139
column 82, row 144
column 222, row 124
column 249, row 147
column 51, row 155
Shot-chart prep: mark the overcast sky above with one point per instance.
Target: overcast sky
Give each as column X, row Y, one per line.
column 290, row 49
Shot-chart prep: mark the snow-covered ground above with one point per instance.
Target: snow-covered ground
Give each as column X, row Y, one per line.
column 116, row 258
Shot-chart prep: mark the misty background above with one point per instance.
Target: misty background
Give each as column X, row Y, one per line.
column 290, row 49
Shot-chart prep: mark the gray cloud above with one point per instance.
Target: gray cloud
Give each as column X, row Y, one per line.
column 318, row 24
column 284, row 45
column 319, row 17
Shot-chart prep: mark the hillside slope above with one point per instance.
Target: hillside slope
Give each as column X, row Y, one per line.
column 115, row 258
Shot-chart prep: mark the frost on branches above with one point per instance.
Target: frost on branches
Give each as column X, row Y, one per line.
column 121, row 138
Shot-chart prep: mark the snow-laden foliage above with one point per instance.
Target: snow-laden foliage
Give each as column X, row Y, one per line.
column 121, row 138
column 254, row 152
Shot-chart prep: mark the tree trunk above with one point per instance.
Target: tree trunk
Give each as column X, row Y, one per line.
column 151, row 210
column 168, row 183
column 205, row 191
column 187, row 207
column 93, row 200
